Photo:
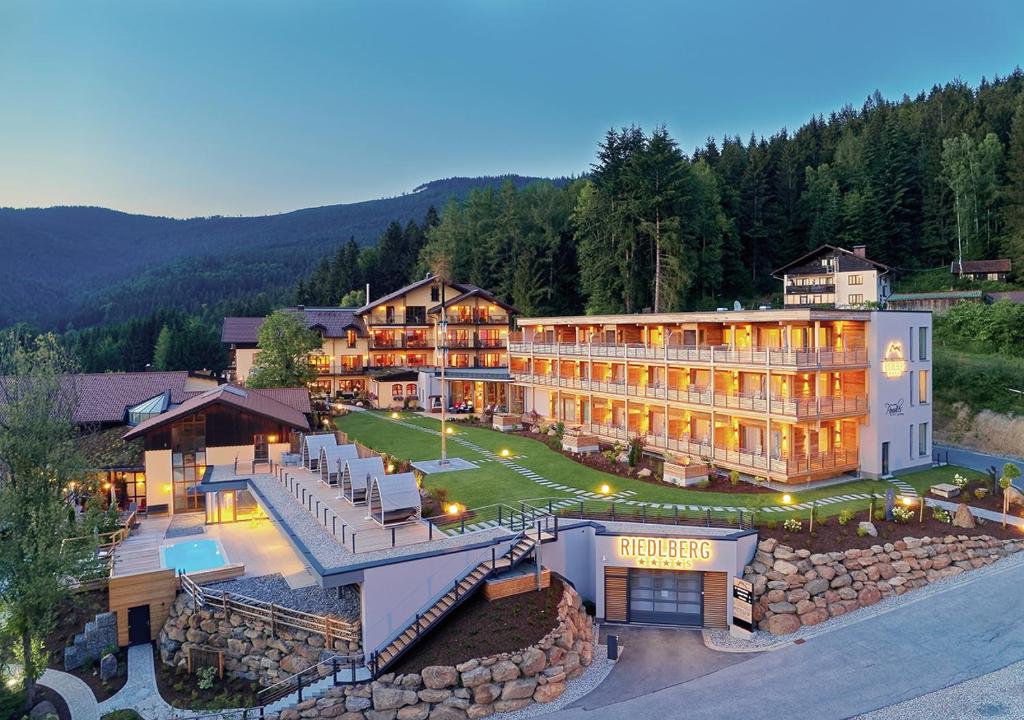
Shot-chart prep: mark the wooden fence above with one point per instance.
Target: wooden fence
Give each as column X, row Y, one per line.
column 330, row 627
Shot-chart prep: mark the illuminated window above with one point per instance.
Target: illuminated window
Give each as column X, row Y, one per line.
column 396, row 391
column 856, row 298
column 856, row 279
column 350, row 336
column 922, row 386
column 321, row 363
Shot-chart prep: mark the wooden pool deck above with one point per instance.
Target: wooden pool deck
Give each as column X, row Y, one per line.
column 140, row 551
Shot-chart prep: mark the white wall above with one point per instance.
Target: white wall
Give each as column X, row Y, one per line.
column 393, row 594
column 893, row 401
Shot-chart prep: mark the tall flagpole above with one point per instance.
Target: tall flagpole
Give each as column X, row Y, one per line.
column 443, row 341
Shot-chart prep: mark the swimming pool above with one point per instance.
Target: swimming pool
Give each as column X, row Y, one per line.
column 193, row 556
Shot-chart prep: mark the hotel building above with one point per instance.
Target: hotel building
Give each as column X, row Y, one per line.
column 793, row 395
column 381, row 347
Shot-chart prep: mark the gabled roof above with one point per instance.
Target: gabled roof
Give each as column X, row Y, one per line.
column 474, row 291
column 827, row 249
column 247, row 400
column 409, row 288
column 332, row 322
column 396, row 492
column 106, row 397
column 297, row 397
column 331, row 454
column 982, row 266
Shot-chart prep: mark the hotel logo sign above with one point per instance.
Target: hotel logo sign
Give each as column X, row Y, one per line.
column 667, row 552
column 894, row 365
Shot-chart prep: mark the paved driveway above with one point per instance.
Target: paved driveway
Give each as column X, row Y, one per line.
column 961, row 632
column 653, row 659
column 975, row 460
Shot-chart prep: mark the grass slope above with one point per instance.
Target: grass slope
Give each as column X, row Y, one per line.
column 494, row 483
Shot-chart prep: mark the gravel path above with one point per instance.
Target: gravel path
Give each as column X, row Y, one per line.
column 996, row 695
column 313, row 599
column 79, row 696
column 760, row 641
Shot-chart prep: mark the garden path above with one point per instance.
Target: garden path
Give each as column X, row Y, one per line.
column 79, row 697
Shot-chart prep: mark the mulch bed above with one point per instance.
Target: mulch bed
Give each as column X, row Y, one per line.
column 480, row 628
column 830, row 536
column 45, row 693
column 77, row 610
column 181, row 690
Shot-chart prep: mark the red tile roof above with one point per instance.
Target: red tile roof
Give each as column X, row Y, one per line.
column 254, row 401
column 999, row 265
column 106, row 397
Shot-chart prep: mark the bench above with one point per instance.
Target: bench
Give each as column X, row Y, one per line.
column 944, row 490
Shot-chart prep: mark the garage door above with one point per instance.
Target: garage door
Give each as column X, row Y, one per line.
column 669, row 597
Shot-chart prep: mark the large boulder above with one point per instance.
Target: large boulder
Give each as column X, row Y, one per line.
column 963, row 518
column 782, row 624
column 108, row 667
column 868, row 527
column 1014, row 496
column 504, row 670
column 439, row 676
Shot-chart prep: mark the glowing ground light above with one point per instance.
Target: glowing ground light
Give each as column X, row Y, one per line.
column 505, row 453
column 908, row 501
column 605, row 489
column 395, row 416
column 453, row 509
column 450, row 430
column 391, row 468
column 786, row 499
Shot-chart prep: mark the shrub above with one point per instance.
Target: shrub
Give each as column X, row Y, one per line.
column 879, row 514
column 636, row 449
column 902, row 514
column 771, row 524
column 960, row 481
column 793, row 525
column 703, row 483
column 559, row 428
column 734, row 478
column 941, row 515
column 845, row 516
column 861, row 531
column 980, row 493
column 206, row 676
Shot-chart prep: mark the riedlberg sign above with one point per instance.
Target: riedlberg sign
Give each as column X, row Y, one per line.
column 665, row 552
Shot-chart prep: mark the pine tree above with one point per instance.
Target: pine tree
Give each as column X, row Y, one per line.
column 164, row 348
column 1013, row 207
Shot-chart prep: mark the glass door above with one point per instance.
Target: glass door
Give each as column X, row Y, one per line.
column 885, row 458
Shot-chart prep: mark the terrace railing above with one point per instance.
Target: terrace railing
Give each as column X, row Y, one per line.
column 512, row 517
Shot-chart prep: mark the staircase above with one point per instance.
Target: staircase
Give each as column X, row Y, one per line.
column 455, row 595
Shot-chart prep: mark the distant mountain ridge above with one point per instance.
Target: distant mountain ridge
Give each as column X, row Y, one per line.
column 85, row 265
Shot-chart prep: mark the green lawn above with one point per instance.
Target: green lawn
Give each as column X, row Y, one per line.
column 494, row 483
column 924, row 479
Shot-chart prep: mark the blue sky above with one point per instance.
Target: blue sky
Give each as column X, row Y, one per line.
column 193, row 108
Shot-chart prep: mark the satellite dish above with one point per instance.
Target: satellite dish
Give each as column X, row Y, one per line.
column 736, row 305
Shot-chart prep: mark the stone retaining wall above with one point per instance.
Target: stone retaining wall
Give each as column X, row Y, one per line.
column 793, row 588
column 474, row 689
column 251, row 650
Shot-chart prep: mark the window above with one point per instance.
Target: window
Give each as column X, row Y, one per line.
column 856, row 298
column 416, row 315
column 350, row 336
column 410, row 389
column 922, row 439
column 922, row 343
column 910, row 346
column 321, row 363
column 817, row 299
column 435, row 294
column 911, row 373
column 396, row 391
column 922, row 386
column 856, row 279
column 803, row 299
column 910, row 449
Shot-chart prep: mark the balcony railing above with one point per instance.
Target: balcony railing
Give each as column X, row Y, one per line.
column 337, row 368
column 818, row 289
column 384, row 342
column 698, row 354
column 751, row 459
column 476, row 317
column 800, row 408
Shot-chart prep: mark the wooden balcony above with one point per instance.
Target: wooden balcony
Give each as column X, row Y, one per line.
column 699, row 354
column 706, row 398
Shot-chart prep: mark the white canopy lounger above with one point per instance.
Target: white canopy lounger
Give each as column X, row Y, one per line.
column 394, row 499
column 311, row 445
column 331, row 459
column 356, row 476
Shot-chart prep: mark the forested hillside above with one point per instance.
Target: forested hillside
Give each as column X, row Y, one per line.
column 81, row 266
column 917, row 180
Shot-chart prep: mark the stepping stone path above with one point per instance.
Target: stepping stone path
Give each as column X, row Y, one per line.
column 560, row 504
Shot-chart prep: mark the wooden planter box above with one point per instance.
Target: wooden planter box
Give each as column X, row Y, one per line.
column 945, row 490
column 685, row 475
column 517, row 584
column 506, row 422
column 578, row 442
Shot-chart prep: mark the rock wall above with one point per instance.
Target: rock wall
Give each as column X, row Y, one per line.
column 793, row 588
column 251, row 651
column 474, row 689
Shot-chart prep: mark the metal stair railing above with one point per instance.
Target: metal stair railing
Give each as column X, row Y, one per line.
column 334, row 666
column 460, row 595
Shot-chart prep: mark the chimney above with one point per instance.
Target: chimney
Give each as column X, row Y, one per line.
column 860, row 251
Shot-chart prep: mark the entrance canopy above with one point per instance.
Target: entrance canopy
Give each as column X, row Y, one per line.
column 331, row 459
column 394, row 499
column 356, row 476
column 311, row 445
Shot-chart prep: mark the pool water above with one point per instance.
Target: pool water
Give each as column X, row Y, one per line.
column 193, row 556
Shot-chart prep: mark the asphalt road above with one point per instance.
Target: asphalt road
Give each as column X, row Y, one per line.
column 961, row 632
